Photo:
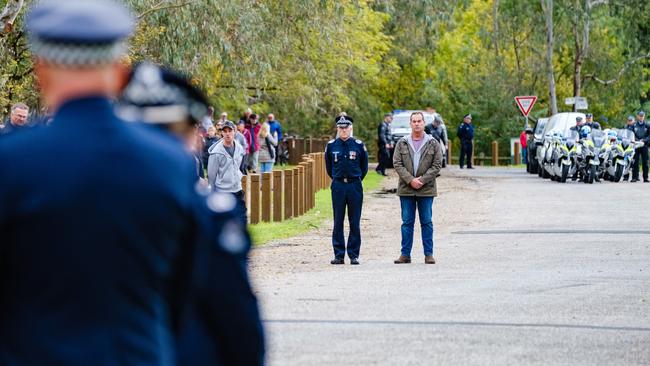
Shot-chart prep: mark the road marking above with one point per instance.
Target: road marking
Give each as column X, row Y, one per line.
column 552, row 231
column 459, row 324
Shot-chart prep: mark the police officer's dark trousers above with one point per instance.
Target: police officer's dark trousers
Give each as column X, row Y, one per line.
column 465, row 153
column 382, row 160
column 640, row 154
column 347, row 195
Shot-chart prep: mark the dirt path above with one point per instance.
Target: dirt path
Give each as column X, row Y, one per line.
column 461, row 200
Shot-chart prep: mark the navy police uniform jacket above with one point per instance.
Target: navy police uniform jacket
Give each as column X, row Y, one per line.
column 102, row 240
column 465, row 132
column 346, row 159
column 641, row 131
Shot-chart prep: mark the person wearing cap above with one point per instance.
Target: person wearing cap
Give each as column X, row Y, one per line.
column 465, row 133
column 591, row 123
column 276, row 132
column 641, row 130
column 579, row 123
column 445, row 137
column 126, row 249
column 384, row 144
column 438, row 132
column 224, row 173
column 417, row 161
column 346, row 161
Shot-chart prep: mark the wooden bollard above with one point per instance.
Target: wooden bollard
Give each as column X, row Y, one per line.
column 296, row 190
column 255, row 199
column 277, row 196
column 266, row 197
column 449, row 152
column 517, row 153
column 495, row 153
column 288, row 193
column 301, row 189
column 312, row 183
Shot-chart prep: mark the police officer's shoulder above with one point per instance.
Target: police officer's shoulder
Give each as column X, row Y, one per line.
column 331, row 141
column 359, row 142
column 232, row 237
column 28, row 141
column 164, row 146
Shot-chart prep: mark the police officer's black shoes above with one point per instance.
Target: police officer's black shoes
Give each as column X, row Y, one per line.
column 354, row 261
column 402, row 259
column 634, row 180
column 337, row 261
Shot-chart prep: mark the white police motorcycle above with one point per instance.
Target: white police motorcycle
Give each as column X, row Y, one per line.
column 563, row 165
column 621, row 155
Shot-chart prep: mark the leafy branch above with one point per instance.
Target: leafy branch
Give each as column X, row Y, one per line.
column 161, row 6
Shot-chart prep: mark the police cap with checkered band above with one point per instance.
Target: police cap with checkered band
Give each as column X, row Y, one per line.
column 79, row 32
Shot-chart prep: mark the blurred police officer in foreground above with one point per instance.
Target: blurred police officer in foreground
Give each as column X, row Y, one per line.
column 346, row 160
column 106, row 246
column 165, row 99
column 465, row 133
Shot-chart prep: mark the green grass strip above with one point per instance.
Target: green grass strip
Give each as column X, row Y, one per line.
column 262, row 233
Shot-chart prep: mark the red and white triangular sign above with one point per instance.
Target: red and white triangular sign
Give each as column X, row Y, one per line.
column 525, row 103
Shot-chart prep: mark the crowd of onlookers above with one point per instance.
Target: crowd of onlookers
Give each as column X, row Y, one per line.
column 260, row 140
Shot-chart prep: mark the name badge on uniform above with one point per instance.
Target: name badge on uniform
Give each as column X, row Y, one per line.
column 353, row 155
column 336, row 156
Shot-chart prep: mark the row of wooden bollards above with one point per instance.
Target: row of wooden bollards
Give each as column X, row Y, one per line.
column 284, row 194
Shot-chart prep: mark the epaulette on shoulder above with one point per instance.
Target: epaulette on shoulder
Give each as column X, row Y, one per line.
column 358, row 141
column 331, row 141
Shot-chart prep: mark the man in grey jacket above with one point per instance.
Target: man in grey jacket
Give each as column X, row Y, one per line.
column 417, row 161
column 224, row 174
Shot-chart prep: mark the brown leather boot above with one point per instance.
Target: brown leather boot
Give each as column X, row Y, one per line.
column 429, row 259
column 402, row 259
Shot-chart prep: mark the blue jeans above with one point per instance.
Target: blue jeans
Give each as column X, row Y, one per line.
column 266, row 167
column 424, row 206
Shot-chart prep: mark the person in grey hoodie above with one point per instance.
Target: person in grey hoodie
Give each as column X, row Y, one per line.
column 224, row 162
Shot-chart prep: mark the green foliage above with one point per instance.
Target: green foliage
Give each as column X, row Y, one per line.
column 308, row 60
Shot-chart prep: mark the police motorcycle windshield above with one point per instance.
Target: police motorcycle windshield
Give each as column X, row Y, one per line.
column 625, row 136
column 571, row 137
column 598, row 137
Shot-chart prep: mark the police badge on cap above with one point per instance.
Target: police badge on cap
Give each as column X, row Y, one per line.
column 343, row 121
column 160, row 96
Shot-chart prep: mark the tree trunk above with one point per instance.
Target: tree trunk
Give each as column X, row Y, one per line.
column 582, row 18
column 547, row 7
column 9, row 15
column 495, row 29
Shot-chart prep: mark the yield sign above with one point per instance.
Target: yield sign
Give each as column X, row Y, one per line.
column 525, row 103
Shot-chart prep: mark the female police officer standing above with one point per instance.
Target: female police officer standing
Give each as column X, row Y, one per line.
column 346, row 160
